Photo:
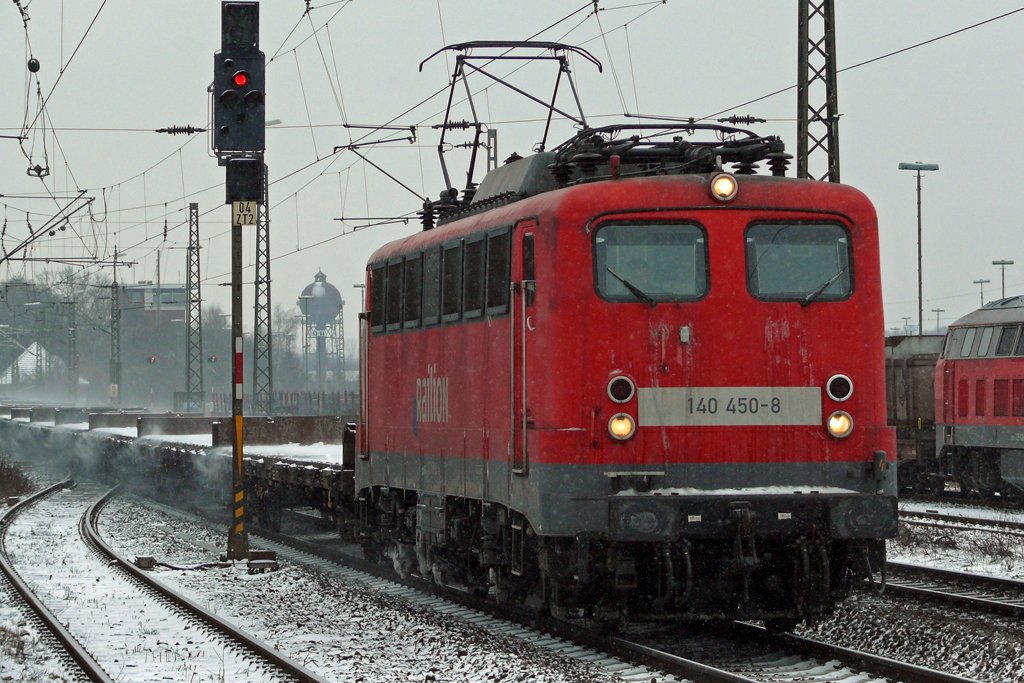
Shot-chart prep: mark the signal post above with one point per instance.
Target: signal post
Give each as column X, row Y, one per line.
column 239, row 133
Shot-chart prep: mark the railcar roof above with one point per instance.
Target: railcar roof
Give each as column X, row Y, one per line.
column 1001, row 311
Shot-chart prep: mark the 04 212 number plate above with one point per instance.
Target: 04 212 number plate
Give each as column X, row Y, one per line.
column 728, row 406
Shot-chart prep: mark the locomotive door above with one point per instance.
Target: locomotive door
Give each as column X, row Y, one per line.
column 524, row 286
column 949, row 396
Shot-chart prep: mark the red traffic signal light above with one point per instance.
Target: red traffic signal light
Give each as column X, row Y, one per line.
column 239, row 80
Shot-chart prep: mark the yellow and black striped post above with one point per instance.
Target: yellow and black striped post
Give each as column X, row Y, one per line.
column 238, row 536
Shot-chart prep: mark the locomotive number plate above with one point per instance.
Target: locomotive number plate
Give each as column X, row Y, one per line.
column 728, row 406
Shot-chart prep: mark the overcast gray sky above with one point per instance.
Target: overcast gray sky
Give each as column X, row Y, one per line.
column 131, row 67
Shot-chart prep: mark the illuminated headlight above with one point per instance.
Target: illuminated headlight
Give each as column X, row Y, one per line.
column 621, row 426
column 840, row 424
column 724, row 186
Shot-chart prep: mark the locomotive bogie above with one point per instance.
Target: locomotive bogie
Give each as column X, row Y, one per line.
column 730, row 573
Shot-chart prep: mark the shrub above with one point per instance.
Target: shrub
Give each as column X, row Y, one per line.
column 13, row 481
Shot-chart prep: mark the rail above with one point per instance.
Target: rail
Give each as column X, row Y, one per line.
column 88, row 526
column 90, row 667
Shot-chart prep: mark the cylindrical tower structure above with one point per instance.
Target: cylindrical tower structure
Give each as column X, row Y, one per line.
column 321, row 305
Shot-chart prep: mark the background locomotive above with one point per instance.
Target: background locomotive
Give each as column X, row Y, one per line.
column 979, row 399
column 616, row 380
column 957, row 402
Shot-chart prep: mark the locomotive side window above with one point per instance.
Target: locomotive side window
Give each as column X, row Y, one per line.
column 954, row 337
column 451, row 282
column 650, row 262
column 529, row 273
column 1007, row 336
column 448, row 283
column 986, row 341
column 431, row 286
column 498, row 259
column 965, row 349
column 1019, row 349
column 473, row 279
column 413, row 290
column 393, row 304
column 799, row 262
column 377, row 298
column 528, row 267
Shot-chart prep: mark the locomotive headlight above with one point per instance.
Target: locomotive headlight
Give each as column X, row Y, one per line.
column 839, row 387
column 724, row 186
column 840, row 424
column 621, row 426
column 621, row 389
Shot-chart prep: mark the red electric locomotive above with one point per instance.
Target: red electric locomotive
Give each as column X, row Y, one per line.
column 616, row 380
column 656, row 391
column 979, row 399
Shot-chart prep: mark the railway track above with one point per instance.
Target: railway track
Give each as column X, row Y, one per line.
column 741, row 653
column 119, row 623
column 996, row 594
column 74, row 660
column 961, row 522
column 999, row 595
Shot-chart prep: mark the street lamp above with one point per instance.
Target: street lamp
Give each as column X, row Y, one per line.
column 982, row 283
column 936, row 311
column 1002, row 263
column 906, row 324
column 919, row 167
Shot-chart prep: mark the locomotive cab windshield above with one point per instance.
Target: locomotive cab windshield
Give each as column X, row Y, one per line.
column 798, row 262
column 662, row 261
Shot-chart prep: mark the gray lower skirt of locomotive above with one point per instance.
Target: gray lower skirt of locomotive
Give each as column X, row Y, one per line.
column 845, row 500
column 1007, row 442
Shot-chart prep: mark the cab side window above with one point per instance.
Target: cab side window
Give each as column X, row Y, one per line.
column 1007, row 337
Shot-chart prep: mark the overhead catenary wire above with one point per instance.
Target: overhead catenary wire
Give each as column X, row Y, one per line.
column 872, row 60
column 611, row 60
column 65, row 66
column 647, row 6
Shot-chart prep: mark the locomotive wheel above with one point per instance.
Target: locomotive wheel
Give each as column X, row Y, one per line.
column 373, row 550
column 510, row 589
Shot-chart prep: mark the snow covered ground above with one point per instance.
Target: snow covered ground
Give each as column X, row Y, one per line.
column 345, row 632
column 972, row 644
column 348, row 632
column 992, row 553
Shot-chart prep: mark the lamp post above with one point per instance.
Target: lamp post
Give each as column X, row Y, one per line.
column 982, row 283
column 906, row 324
column 919, row 167
column 936, row 311
column 1002, row 263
